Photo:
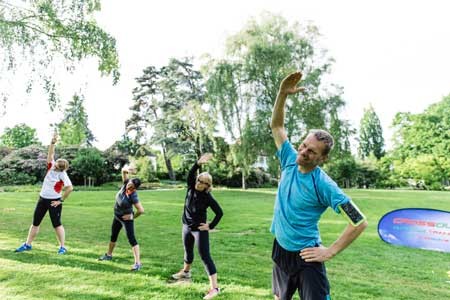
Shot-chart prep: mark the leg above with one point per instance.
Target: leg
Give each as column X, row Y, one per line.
column 116, row 226
column 283, row 284
column 136, row 254
column 129, row 228
column 55, row 216
column 39, row 213
column 203, row 249
column 188, row 243
column 34, row 230
column 60, row 235
column 313, row 282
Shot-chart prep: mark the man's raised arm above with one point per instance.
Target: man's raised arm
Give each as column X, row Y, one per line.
column 287, row 87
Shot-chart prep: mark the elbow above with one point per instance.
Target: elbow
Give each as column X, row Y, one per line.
column 69, row 188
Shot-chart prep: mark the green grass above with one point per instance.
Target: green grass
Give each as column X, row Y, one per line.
column 241, row 249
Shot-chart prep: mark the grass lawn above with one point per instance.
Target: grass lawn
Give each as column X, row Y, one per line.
column 241, row 249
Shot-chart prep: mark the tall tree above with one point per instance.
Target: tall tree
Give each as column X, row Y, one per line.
column 19, row 136
column 243, row 85
column 168, row 111
column 371, row 139
column 43, row 35
column 74, row 127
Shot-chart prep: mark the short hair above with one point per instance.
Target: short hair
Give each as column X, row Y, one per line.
column 208, row 178
column 136, row 182
column 325, row 137
column 61, row 164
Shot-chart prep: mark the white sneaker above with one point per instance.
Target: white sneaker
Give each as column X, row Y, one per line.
column 182, row 275
column 212, row 293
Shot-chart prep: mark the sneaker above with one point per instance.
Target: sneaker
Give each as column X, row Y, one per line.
column 62, row 250
column 182, row 275
column 105, row 257
column 136, row 267
column 23, row 247
column 212, row 293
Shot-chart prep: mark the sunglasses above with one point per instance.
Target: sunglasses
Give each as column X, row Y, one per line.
column 203, row 182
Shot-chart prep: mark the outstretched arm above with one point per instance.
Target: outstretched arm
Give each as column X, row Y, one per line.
column 51, row 148
column 193, row 172
column 287, row 87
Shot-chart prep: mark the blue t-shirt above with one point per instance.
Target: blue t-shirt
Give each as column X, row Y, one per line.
column 298, row 207
column 124, row 203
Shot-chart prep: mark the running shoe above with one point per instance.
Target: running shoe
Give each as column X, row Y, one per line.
column 182, row 275
column 212, row 293
column 62, row 250
column 105, row 257
column 136, row 267
column 23, row 247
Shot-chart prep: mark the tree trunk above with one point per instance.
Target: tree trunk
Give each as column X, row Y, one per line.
column 243, row 181
column 168, row 164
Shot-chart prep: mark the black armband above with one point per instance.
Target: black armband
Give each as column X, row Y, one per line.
column 352, row 213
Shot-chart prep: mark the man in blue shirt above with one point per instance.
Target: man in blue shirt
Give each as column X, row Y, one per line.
column 305, row 191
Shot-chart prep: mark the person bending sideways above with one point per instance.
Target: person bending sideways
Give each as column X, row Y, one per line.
column 195, row 227
column 56, row 182
column 304, row 192
column 124, row 216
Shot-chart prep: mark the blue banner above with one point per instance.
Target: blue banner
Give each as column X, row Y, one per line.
column 417, row 228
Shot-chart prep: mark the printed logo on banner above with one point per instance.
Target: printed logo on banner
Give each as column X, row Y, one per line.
column 417, row 228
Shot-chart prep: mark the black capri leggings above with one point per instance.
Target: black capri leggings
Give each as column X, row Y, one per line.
column 117, row 225
column 202, row 239
column 42, row 206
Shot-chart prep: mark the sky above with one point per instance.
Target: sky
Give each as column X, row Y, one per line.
column 393, row 55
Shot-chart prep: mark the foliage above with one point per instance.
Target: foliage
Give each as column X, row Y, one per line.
column 371, row 139
column 422, row 144
column 73, row 128
column 89, row 163
column 43, row 35
column 243, row 86
column 24, row 166
column 19, row 136
column 168, row 108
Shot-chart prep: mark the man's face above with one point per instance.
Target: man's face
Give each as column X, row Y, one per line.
column 310, row 152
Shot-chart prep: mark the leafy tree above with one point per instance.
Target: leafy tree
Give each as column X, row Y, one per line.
column 40, row 34
column 168, row 107
column 19, row 136
column 423, row 140
column 371, row 139
column 89, row 164
column 74, row 129
column 243, row 85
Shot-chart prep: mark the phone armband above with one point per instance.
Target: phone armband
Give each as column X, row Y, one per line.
column 352, row 213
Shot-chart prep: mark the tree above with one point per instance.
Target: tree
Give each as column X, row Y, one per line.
column 74, row 129
column 243, row 85
column 89, row 164
column 371, row 139
column 423, row 140
column 168, row 111
column 39, row 35
column 19, row 136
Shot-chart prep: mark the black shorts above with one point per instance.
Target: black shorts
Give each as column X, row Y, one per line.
column 42, row 206
column 291, row 273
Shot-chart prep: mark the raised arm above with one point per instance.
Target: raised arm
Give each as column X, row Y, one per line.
column 126, row 170
column 287, row 87
column 51, row 148
column 193, row 172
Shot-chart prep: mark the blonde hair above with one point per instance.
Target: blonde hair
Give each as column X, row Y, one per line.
column 61, row 164
column 208, row 178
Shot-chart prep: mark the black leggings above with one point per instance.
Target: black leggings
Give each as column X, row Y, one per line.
column 117, row 225
column 42, row 206
column 202, row 239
